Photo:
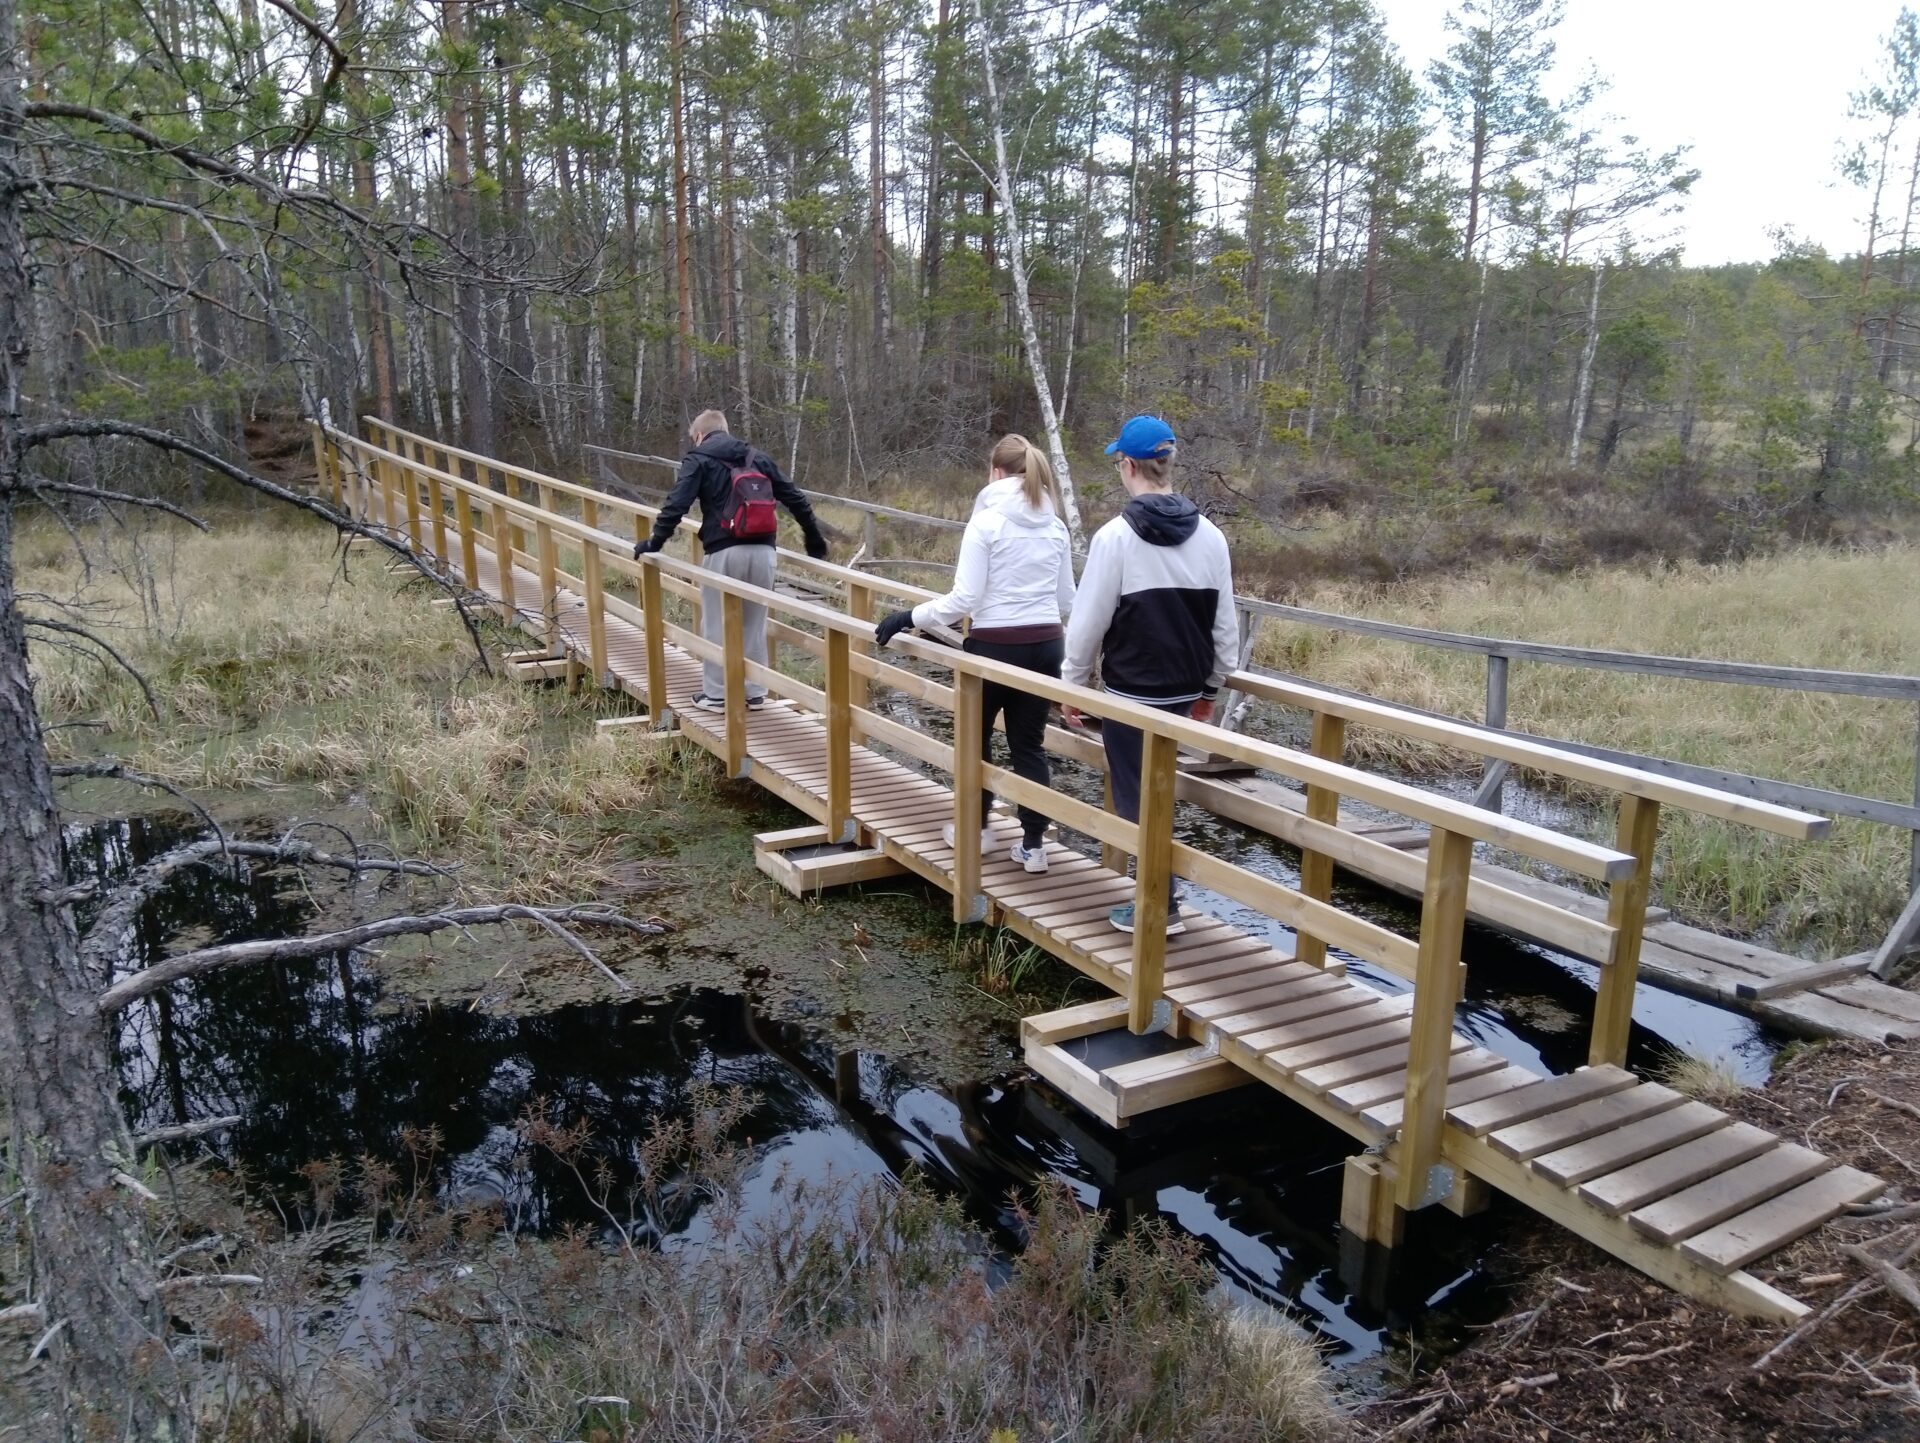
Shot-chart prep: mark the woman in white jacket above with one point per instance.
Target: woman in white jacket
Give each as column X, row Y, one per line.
column 1015, row 579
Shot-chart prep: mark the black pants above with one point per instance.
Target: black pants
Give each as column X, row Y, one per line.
column 1125, row 746
column 1026, row 719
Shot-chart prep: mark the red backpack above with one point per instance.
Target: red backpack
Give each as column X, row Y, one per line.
column 752, row 514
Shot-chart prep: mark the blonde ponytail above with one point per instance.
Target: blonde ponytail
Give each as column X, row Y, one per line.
column 1015, row 455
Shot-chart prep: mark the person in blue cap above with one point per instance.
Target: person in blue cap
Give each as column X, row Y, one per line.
column 1155, row 609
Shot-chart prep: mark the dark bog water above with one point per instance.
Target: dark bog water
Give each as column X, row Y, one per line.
column 321, row 1069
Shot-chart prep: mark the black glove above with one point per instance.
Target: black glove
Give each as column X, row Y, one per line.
column 816, row 546
column 891, row 625
column 643, row 548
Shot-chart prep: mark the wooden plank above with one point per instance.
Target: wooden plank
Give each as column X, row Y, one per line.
column 1636, row 834
column 1583, row 1161
column 968, row 901
column 1361, row 1066
column 1386, row 1115
column 1547, row 1095
column 1778, row 1221
column 1527, row 1140
column 1804, row 979
column 1329, row 742
column 1195, row 1075
column 1370, row 1012
column 1334, row 1046
column 1738, row 1291
column 1300, row 1008
column 1266, row 993
column 1066, row 1023
column 839, row 739
column 1370, row 1092
column 1717, row 1198
column 1437, row 987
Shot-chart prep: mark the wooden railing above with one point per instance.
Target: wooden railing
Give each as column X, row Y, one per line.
column 451, row 504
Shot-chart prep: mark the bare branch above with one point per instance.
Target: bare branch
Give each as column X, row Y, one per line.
column 186, row 1131
column 293, row 949
column 107, row 767
column 116, row 498
column 68, row 628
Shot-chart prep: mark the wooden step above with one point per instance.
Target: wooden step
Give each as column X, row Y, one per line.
column 1715, row 1199
column 1778, row 1221
column 1583, row 1161
column 1662, row 1174
column 1527, row 1140
column 1550, row 1094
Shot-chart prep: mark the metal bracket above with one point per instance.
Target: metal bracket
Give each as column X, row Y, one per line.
column 1211, row 1047
column 977, row 908
column 1441, row 1178
column 850, row 831
column 1162, row 1016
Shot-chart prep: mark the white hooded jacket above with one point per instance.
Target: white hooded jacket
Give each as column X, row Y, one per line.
column 1016, row 565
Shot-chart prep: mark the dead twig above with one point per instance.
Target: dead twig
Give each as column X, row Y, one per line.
column 1893, row 1279
column 1629, row 1359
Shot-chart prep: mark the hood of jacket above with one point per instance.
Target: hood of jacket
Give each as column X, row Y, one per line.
column 1161, row 518
column 727, row 450
column 1008, row 497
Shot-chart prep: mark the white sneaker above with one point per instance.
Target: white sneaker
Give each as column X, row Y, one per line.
column 986, row 838
column 1033, row 859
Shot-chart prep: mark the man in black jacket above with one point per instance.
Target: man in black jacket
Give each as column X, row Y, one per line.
column 736, row 486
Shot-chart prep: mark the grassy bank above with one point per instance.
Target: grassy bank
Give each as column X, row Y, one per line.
column 1839, row 610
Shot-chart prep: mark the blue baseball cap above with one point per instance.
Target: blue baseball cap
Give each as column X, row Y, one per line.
column 1143, row 438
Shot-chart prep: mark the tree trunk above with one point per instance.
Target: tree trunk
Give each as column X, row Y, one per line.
column 373, row 289
column 1583, row 388
column 877, row 208
column 1017, row 263
column 91, row 1270
column 682, row 234
column 477, row 410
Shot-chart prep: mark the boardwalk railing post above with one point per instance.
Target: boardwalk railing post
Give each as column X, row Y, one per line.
column 841, row 826
column 1323, row 805
column 969, row 722
column 1436, row 989
column 1111, row 857
column 860, row 608
column 733, row 632
column 654, row 611
column 503, row 560
column 1153, row 880
column 590, row 512
column 593, row 577
column 389, row 503
column 469, row 546
column 1638, row 831
column 437, row 505
column 512, row 484
column 1493, row 770
column 549, row 585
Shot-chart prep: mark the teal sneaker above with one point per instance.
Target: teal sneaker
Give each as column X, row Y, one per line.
column 1122, row 919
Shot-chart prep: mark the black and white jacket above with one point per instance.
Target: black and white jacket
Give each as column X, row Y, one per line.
column 1155, row 605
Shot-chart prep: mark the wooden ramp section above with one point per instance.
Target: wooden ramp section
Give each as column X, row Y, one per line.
column 1669, row 1185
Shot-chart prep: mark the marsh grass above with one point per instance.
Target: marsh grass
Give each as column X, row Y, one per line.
column 275, row 666
column 839, row 1308
column 1710, row 1079
column 1839, row 610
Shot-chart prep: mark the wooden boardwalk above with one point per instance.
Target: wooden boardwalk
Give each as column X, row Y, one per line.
column 1670, row 1185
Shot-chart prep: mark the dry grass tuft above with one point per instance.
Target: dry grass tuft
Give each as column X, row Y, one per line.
column 1710, row 1079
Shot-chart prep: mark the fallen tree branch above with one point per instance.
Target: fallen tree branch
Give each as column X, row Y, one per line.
column 1894, row 1279
column 294, row 949
column 68, row 628
column 119, row 771
column 185, row 1131
column 212, row 1280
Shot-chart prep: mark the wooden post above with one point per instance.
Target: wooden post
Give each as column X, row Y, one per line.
column 656, row 638
column 503, row 559
column 1111, row 857
column 869, row 536
column 469, row 548
column 1436, row 988
column 549, row 582
column 969, row 721
column 733, row 631
column 411, row 479
column 389, row 503
column 437, row 504
column 512, row 484
column 1153, row 878
column 590, row 512
column 841, row 826
column 1638, row 830
column 1490, row 768
column 320, row 459
column 860, row 608
column 593, row 577
column 1913, row 872
column 1323, row 805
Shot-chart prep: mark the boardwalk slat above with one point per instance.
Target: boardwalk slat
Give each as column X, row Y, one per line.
column 1370, row 1092
column 1547, row 1095
column 1719, row 1197
column 1778, row 1221
column 1342, row 1044
column 1527, row 1140
column 1584, row 1161
column 1370, row 1012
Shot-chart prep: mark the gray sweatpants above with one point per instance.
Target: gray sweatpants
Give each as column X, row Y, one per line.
column 753, row 565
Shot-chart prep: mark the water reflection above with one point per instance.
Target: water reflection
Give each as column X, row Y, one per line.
column 318, row 1070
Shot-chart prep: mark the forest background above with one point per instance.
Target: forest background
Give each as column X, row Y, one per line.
column 1352, row 288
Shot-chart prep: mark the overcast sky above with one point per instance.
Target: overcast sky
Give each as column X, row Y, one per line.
column 1758, row 88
